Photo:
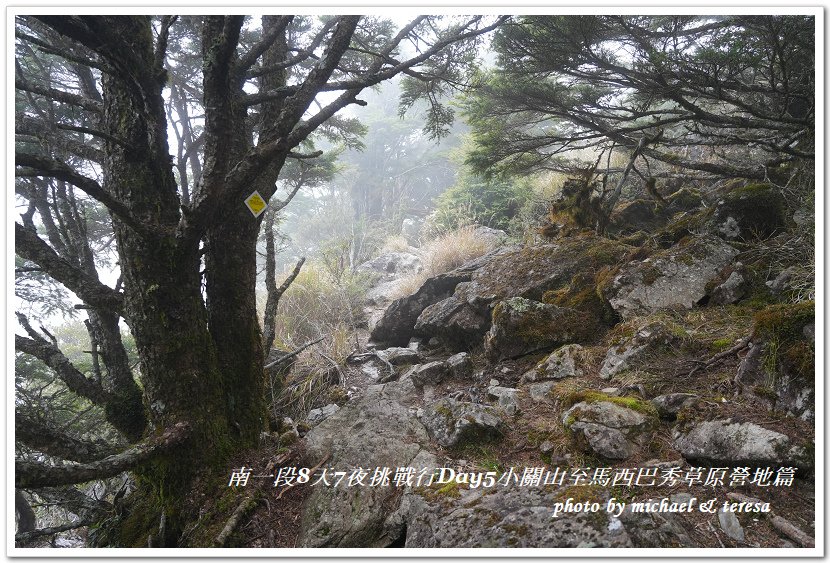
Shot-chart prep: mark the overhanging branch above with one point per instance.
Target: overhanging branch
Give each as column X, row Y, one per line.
column 29, row 474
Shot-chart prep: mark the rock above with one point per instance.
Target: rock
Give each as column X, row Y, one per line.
column 730, row 525
column 673, row 278
column 506, row 517
column 316, row 416
column 540, row 391
column 608, row 429
column 563, row 362
column 685, row 199
column 669, row 405
column 750, row 212
column 508, row 399
column 452, row 423
column 781, row 283
column 491, row 237
column 370, row 371
column 546, row 447
column 453, row 322
column 656, row 529
column 632, row 216
column 622, row 354
column 460, row 365
column 783, row 347
column 391, row 266
column 432, row 373
column 723, row 442
column 730, row 291
column 397, row 324
column 521, row 326
column 375, row 430
column 527, row 272
column 399, row 356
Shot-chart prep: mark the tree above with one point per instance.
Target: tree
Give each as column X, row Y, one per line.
column 725, row 96
column 96, row 96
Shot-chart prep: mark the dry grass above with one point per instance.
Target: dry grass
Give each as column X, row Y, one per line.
column 442, row 254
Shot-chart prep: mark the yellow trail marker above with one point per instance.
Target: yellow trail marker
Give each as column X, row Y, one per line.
column 256, row 204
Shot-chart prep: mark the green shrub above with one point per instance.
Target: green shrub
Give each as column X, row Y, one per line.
column 491, row 203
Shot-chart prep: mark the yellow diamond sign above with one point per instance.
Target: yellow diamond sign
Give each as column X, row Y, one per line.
column 256, row 204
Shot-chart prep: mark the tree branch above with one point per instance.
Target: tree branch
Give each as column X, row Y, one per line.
column 29, row 474
column 48, row 167
column 59, row 96
column 69, row 374
column 30, row 246
column 48, row 440
column 247, row 60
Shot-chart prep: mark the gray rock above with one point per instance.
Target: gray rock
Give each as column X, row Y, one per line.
column 731, row 291
column 526, row 272
column 316, row 416
column 397, row 324
column 506, row 517
column 738, row 443
column 608, row 429
column 673, row 278
column 452, row 423
column 455, row 322
column 491, row 237
column 508, row 399
column 521, row 326
column 461, row 365
column 375, row 430
column 656, row 529
column 432, row 373
column 539, row 391
column 398, row 356
column 669, row 405
column 391, row 266
column 730, row 525
column 563, row 362
column 621, row 355
column 781, row 283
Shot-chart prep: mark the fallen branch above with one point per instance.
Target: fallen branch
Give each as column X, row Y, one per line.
column 294, row 354
column 717, row 358
column 234, row 521
column 791, row 531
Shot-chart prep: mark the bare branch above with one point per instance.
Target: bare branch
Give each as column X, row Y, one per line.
column 48, row 440
column 247, row 60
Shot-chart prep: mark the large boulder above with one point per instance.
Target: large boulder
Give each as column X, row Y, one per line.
column 397, row 325
column 724, row 442
column 612, row 428
column 376, row 430
column 529, row 272
column 521, row 326
column 749, row 212
column 453, row 423
column 673, row 278
column 455, row 322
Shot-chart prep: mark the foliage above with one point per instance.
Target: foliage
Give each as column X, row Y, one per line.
column 477, row 201
column 723, row 96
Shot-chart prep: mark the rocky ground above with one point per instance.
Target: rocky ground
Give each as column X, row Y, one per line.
column 671, row 350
